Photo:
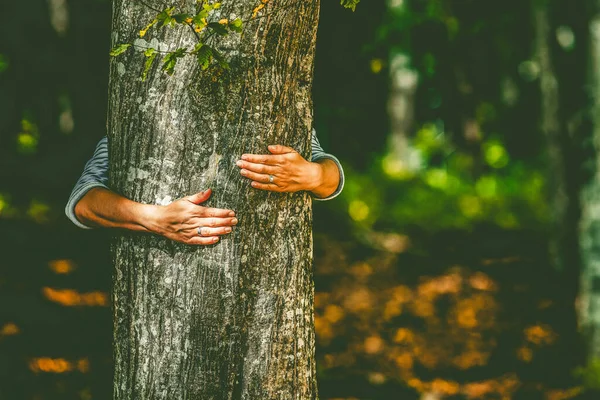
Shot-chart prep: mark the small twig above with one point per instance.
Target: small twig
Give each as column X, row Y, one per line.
column 150, row 7
column 195, row 33
column 158, row 51
column 211, row 34
column 268, row 14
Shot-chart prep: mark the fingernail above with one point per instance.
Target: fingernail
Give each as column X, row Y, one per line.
column 232, row 214
column 239, row 163
column 234, row 221
column 244, row 157
column 215, row 239
column 227, row 230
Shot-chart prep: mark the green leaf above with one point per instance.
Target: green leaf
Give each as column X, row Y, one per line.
column 197, row 48
column 150, row 25
column 218, row 28
column 150, row 56
column 220, row 59
column 179, row 18
column 200, row 21
column 170, row 60
column 351, row 4
column 165, row 17
column 204, row 56
column 236, row 25
column 120, row 49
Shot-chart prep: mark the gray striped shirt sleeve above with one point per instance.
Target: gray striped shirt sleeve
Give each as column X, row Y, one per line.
column 318, row 154
column 95, row 174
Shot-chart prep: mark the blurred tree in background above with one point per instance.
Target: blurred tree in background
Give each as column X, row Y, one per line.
column 449, row 267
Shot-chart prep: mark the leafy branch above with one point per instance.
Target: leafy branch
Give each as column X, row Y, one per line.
column 351, row 4
column 202, row 25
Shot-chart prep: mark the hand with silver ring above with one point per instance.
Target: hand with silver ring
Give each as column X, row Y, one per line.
column 187, row 221
column 284, row 170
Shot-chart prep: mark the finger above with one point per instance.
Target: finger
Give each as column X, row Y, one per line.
column 200, row 197
column 266, row 186
column 262, row 158
column 280, row 149
column 201, row 240
column 216, row 222
column 258, row 168
column 215, row 212
column 222, row 230
column 256, row 177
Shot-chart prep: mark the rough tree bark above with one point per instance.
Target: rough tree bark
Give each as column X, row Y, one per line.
column 233, row 320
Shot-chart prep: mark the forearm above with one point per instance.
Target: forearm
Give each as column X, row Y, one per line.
column 328, row 178
column 100, row 207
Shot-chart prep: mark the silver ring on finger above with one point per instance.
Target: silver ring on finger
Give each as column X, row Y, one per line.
column 200, row 230
column 271, row 178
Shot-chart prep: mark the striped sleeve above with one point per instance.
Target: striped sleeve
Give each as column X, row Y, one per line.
column 95, row 174
column 318, row 154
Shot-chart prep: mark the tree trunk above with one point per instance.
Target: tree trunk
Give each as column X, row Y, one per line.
column 233, row 320
column 555, row 140
column 403, row 85
column 589, row 226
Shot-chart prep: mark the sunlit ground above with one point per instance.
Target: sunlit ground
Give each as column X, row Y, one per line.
column 454, row 315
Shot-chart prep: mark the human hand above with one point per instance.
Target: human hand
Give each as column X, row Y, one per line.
column 181, row 219
column 290, row 172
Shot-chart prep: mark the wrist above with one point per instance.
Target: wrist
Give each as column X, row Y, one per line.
column 315, row 179
column 150, row 217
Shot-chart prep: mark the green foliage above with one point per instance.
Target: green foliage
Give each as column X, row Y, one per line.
column 150, row 25
column 220, row 59
column 28, row 138
column 220, row 29
column 3, row 63
column 448, row 193
column 150, row 56
column 236, row 25
column 590, row 375
column 204, row 55
column 201, row 24
column 120, row 49
column 204, row 29
column 165, row 17
column 170, row 60
column 351, row 4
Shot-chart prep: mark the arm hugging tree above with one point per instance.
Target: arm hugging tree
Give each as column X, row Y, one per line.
column 233, row 320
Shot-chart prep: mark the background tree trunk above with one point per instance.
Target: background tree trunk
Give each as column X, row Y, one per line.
column 233, row 320
column 555, row 137
column 589, row 225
